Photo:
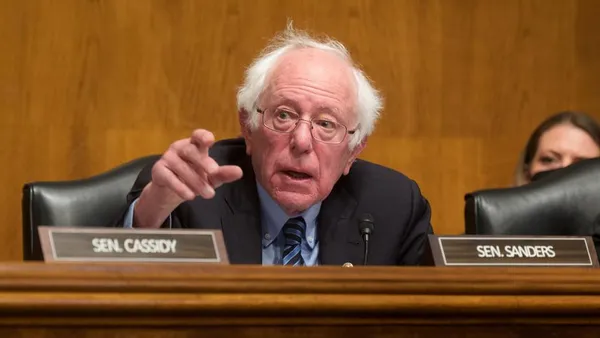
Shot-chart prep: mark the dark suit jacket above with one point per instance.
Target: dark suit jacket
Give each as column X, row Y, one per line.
column 402, row 215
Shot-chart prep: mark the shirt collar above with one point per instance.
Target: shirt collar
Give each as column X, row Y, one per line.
column 274, row 218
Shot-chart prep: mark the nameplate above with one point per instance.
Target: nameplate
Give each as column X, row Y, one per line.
column 479, row 250
column 76, row 244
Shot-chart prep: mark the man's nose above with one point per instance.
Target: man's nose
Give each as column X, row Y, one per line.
column 301, row 137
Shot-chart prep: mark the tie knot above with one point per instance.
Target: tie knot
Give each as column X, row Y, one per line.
column 294, row 230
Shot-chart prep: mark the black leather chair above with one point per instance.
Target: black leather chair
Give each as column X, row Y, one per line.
column 565, row 202
column 94, row 202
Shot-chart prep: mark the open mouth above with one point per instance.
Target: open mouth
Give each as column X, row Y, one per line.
column 297, row 175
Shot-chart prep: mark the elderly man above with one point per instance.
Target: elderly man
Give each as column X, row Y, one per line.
column 291, row 191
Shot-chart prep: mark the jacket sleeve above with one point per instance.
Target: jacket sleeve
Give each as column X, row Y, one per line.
column 125, row 217
column 414, row 243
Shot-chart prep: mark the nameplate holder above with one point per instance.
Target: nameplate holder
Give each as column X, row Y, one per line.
column 80, row 244
column 525, row 251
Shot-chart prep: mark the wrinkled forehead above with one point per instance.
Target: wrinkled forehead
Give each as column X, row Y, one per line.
column 315, row 75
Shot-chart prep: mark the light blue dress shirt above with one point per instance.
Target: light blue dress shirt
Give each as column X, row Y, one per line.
column 273, row 219
column 273, row 241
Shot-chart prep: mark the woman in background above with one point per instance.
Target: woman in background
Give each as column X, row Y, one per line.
column 561, row 140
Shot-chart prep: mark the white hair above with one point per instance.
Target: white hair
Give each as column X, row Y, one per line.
column 368, row 100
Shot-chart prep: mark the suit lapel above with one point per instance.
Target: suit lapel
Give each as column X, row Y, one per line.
column 242, row 225
column 339, row 239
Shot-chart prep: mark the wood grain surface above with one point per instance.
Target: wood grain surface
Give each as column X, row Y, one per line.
column 172, row 300
column 87, row 85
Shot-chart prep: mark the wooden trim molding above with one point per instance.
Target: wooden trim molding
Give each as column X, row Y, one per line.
column 265, row 301
column 236, row 293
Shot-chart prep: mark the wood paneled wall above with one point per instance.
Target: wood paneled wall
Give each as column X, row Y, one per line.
column 86, row 85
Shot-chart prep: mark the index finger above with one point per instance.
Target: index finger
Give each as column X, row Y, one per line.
column 203, row 140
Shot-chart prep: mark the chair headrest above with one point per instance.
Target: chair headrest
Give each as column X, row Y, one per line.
column 563, row 202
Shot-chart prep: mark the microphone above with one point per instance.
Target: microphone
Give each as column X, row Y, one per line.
column 366, row 226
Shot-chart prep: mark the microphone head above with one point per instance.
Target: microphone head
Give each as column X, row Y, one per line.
column 366, row 224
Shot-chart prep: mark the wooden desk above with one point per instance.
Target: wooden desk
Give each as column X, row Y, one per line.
column 143, row 300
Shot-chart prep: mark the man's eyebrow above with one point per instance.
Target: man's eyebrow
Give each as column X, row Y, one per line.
column 321, row 109
column 336, row 113
column 284, row 101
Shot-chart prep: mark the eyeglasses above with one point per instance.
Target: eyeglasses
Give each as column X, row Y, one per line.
column 286, row 121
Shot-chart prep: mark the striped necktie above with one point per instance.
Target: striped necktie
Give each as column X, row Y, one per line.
column 293, row 230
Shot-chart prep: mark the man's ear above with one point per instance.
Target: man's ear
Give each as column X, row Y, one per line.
column 355, row 152
column 243, row 116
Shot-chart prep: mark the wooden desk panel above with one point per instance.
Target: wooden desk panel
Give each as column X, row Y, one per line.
column 124, row 300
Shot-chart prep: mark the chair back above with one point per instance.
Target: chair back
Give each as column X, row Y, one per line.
column 96, row 201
